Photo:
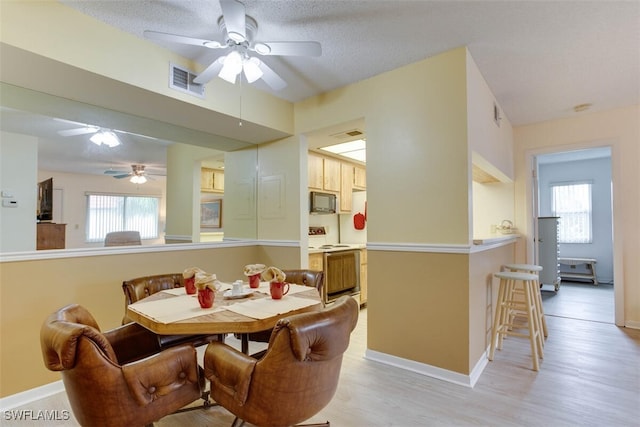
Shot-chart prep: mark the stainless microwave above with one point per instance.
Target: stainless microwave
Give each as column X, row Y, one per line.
column 322, row 203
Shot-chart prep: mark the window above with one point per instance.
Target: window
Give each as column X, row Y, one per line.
column 107, row 213
column 572, row 203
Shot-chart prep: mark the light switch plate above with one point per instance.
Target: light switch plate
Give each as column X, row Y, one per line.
column 7, row 194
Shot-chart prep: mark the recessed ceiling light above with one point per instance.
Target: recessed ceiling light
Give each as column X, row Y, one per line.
column 356, row 150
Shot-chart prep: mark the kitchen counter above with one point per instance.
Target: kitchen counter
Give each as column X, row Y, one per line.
column 336, row 247
column 496, row 239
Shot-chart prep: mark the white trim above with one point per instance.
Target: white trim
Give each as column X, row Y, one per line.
column 632, row 324
column 178, row 237
column 25, row 397
column 428, row 370
column 418, row 247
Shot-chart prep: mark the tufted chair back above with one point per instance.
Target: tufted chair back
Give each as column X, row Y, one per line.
column 297, row 376
column 103, row 389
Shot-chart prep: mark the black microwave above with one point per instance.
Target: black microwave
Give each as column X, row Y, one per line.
column 322, row 203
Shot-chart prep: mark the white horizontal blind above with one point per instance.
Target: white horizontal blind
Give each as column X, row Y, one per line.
column 107, row 213
column 572, row 203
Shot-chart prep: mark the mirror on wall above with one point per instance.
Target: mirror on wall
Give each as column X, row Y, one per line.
column 67, row 151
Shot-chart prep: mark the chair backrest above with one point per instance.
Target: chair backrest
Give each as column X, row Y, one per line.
column 299, row 373
column 306, row 278
column 142, row 287
column 122, row 238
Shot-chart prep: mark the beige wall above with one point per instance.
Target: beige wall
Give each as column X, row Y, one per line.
column 30, row 290
column 619, row 129
column 18, row 175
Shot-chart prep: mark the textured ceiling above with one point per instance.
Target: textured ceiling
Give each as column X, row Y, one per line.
column 540, row 58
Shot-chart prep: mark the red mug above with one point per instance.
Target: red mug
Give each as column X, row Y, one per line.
column 189, row 285
column 254, row 281
column 277, row 289
column 205, row 297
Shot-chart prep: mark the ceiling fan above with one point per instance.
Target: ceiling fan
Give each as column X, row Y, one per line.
column 100, row 135
column 239, row 31
column 138, row 174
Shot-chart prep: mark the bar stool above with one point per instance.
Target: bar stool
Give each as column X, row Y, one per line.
column 533, row 269
column 507, row 304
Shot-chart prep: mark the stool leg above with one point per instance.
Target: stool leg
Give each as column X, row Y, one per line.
column 543, row 320
column 532, row 324
column 497, row 318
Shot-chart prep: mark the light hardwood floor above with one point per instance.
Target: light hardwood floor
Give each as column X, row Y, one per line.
column 590, row 376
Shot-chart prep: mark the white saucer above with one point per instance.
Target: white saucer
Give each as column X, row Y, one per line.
column 230, row 295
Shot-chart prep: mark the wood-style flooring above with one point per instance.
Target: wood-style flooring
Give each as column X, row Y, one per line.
column 590, row 376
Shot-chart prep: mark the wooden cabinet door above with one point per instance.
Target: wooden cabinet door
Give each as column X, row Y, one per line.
column 331, row 172
column 315, row 262
column 211, row 180
column 316, row 173
column 346, row 187
column 363, row 277
column 359, row 178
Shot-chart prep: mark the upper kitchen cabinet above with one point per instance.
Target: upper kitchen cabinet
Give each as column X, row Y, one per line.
column 211, row 180
column 359, row 178
column 346, row 187
column 324, row 173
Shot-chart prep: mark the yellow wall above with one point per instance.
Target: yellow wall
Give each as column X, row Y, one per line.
column 619, row 129
column 30, row 290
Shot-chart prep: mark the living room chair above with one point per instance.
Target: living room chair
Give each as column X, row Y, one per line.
column 299, row 277
column 123, row 238
column 141, row 287
column 117, row 378
column 297, row 376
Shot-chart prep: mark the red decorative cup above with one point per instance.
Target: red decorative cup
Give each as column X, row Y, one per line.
column 278, row 289
column 205, row 297
column 189, row 285
column 254, row 281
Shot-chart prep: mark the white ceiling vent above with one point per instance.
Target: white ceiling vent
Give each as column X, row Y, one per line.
column 182, row 79
column 353, row 133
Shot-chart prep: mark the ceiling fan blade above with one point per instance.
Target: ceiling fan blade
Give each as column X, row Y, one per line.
column 125, row 175
column 174, row 38
column 270, row 77
column 234, row 19
column 210, row 72
column 78, row 131
column 135, row 134
column 291, row 48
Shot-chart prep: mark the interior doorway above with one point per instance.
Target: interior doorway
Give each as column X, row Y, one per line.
column 587, row 232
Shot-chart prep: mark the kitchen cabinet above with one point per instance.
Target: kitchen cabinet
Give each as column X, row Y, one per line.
column 359, row 178
column 331, row 174
column 211, row 180
column 316, row 262
column 50, row 235
column 363, row 277
column 316, row 174
column 548, row 249
column 346, row 188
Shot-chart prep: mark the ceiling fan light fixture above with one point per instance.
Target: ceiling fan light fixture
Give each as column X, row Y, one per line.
column 212, row 44
column 107, row 138
column 237, row 37
column 232, row 67
column 138, row 179
column 251, row 68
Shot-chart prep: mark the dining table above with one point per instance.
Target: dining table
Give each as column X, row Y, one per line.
column 173, row 311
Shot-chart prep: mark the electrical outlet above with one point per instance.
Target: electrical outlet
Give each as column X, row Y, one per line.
column 10, row 203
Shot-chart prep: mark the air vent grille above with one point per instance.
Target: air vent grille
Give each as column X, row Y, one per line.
column 182, row 79
column 347, row 134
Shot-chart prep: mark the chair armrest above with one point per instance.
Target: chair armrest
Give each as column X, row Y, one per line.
column 132, row 342
column 229, row 370
column 162, row 374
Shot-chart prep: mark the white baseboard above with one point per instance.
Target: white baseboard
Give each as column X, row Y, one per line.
column 632, row 324
column 428, row 370
column 28, row 396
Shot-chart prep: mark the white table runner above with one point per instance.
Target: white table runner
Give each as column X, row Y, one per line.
column 170, row 310
column 267, row 307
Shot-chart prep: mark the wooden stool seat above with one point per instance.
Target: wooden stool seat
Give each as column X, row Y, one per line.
column 508, row 303
column 533, row 269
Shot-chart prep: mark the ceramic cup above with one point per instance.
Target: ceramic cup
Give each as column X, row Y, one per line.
column 254, row 281
column 237, row 288
column 278, row 289
column 205, row 297
column 189, row 285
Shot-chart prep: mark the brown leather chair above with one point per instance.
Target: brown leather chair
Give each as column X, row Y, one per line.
column 298, row 374
column 299, row 277
column 141, row 287
column 122, row 238
column 103, row 386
